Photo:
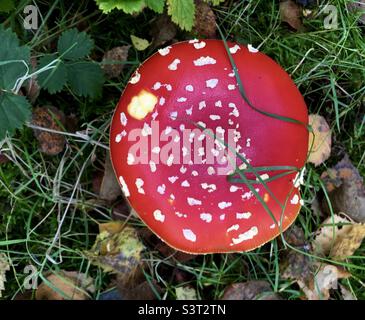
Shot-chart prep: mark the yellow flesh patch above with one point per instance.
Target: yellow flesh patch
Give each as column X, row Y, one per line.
column 142, row 104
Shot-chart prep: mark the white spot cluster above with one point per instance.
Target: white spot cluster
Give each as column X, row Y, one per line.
column 159, row 216
column 295, row 199
column 209, row 187
column 199, row 45
column 207, row 217
column 194, row 202
column 124, row 186
column 211, row 83
column 189, row 88
column 161, row 189
column 189, row 235
column 234, row 49
column 136, row 77
column 252, row 49
column 119, row 136
column 250, row 234
column 224, row 205
column 173, row 65
column 202, row 61
column 123, row 119
column 243, row 215
column 164, row 51
column 139, row 185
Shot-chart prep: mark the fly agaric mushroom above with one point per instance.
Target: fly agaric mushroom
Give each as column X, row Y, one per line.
column 189, row 203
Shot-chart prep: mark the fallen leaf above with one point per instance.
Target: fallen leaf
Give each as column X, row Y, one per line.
column 117, row 249
column 4, row 266
column 205, row 20
column 346, row 190
column 324, row 280
column 139, row 43
column 185, row 293
column 66, row 285
column 346, row 294
column 162, row 30
column 339, row 238
column 319, row 144
column 290, row 13
column 251, row 290
column 295, row 236
column 51, row 118
column 114, row 60
column 298, row 266
column 109, row 188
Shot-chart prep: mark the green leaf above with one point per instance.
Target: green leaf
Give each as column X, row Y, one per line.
column 182, row 13
column 13, row 59
column 139, row 43
column 85, row 78
column 128, row 6
column 54, row 79
column 74, row 45
column 156, row 5
column 14, row 112
column 7, row 5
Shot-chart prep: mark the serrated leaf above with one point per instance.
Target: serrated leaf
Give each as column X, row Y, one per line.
column 182, row 13
column 156, row 5
column 85, row 78
column 52, row 80
column 139, row 43
column 6, row 5
column 74, row 45
column 13, row 59
column 128, row 6
column 14, row 112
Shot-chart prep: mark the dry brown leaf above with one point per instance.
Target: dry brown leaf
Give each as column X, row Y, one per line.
column 66, row 285
column 319, row 144
column 325, row 279
column 113, row 61
column 162, row 30
column 313, row 278
column 290, row 13
column 251, row 290
column 339, row 239
column 109, row 188
column 346, row 190
column 49, row 117
column 204, row 24
column 117, row 249
column 295, row 236
column 298, row 266
column 346, row 294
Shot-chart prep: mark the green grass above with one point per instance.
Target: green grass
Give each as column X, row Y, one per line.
column 47, row 217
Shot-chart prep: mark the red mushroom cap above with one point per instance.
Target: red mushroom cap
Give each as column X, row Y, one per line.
column 189, row 203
